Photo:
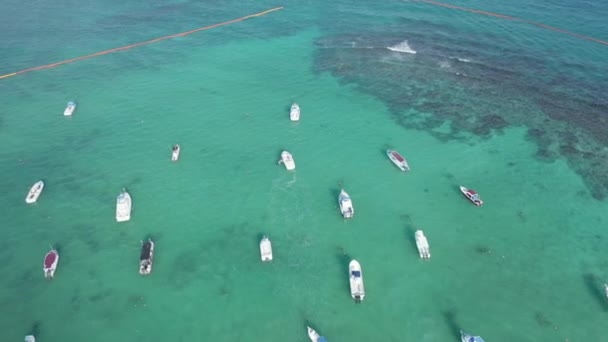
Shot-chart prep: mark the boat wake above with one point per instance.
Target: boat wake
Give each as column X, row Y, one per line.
column 465, row 60
column 402, row 47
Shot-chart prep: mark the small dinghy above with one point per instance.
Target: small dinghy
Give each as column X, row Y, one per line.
column 287, row 160
column 471, row 195
column 123, row 206
column 146, row 257
column 175, row 152
column 30, row 338
column 265, row 249
column 398, row 160
column 357, row 290
column 346, row 205
column 464, row 337
column 423, row 245
column 35, row 192
column 314, row 336
column 50, row 263
column 294, row 112
column 69, row 109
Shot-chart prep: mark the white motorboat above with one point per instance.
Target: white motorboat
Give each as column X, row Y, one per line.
column 346, row 205
column 146, row 257
column 123, row 206
column 606, row 289
column 70, row 108
column 265, row 249
column 357, row 290
column 464, row 337
column 175, row 152
column 423, row 245
column 472, row 195
column 50, row 263
column 30, row 338
column 398, row 160
column 294, row 112
column 287, row 160
column 314, row 336
column 35, row 192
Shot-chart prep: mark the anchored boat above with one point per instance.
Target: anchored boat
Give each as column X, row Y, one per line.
column 34, row 193
column 464, row 337
column 314, row 336
column 123, row 206
column 146, row 257
column 50, row 263
column 423, row 245
column 294, row 112
column 357, row 290
column 70, row 108
column 346, row 205
column 606, row 289
column 287, row 160
column 398, row 160
column 265, row 249
column 175, row 152
column 30, row 338
column 471, row 195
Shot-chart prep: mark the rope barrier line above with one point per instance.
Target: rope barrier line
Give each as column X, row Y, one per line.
column 508, row 17
column 127, row 47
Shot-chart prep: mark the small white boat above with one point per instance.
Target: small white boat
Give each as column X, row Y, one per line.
column 70, row 108
column 123, row 206
column 346, row 205
column 35, row 192
column 398, row 160
column 146, row 257
column 357, row 290
column 294, row 112
column 472, row 195
column 314, row 336
column 464, row 337
column 175, row 152
column 50, row 263
column 423, row 245
column 30, row 338
column 265, row 249
column 287, row 160
column 606, row 289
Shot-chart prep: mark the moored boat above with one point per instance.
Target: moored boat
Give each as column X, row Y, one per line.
column 294, row 112
column 30, row 338
column 265, row 249
column 357, row 290
column 175, row 152
column 606, row 289
column 123, row 206
column 464, row 337
column 398, row 160
column 50, row 263
column 287, row 160
column 70, row 108
column 34, row 193
column 423, row 245
column 471, row 195
column 346, row 205
column 314, row 336
column 146, row 257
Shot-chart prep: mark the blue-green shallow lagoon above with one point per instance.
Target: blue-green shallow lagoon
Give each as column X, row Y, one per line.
column 527, row 266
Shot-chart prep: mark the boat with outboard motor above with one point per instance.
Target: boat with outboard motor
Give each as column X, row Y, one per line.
column 464, row 337
column 472, row 195
column 265, row 249
column 51, row 259
column 70, row 108
column 123, row 206
column 34, row 193
column 346, row 205
column 146, row 257
column 398, row 160
column 294, row 112
column 287, row 160
column 314, row 336
column 423, row 245
column 175, row 152
column 357, row 290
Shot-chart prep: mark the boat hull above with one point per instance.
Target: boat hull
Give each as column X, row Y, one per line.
column 30, row 338
column 265, row 250
column 312, row 334
column 51, row 259
column 123, row 207
column 464, row 337
column 146, row 258
column 34, row 193
column 472, row 196
column 346, row 205
column 69, row 109
column 398, row 160
column 287, row 160
column 175, row 153
column 357, row 289
column 294, row 112
column 423, row 245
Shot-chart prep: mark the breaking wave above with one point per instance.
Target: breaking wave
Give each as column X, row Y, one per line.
column 402, row 47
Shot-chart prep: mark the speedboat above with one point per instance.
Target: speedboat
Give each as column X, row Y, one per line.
column 294, row 112
column 175, row 152
column 346, row 205
column 30, row 338
column 146, row 257
column 287, row 160
column 464, row 337
column 471, row 195
column 123, row 206
column 35, row 192
column 423, row 245
column 398, row 160
column 50, row 263
column 265, row 249
column 357, row 291
column 70, row 108
column 314, row 336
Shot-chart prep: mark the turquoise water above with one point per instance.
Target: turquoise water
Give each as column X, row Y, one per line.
column 523, row 128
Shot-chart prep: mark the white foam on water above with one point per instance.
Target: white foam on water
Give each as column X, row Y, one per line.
column 402, row 47
column 465, row 60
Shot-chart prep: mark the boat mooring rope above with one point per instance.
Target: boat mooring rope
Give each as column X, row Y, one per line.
column 123, row 48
